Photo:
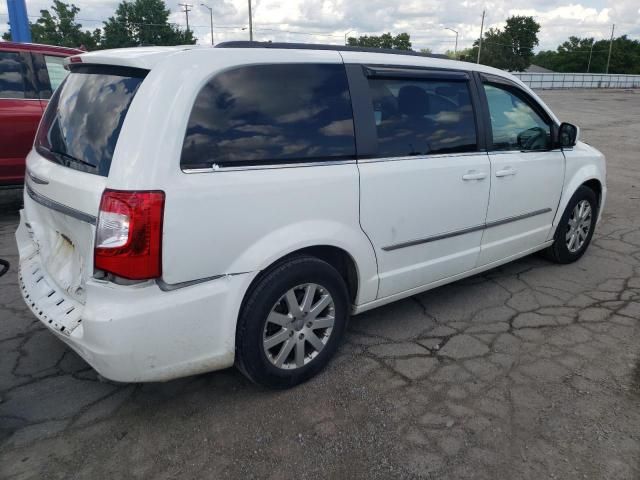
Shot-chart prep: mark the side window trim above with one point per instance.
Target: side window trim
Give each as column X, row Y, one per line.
column 515, row 89
column 483, row 118
column 401, row 72
column 362, row 107
column 31, row 91
column 365, row 128
column 41, row 76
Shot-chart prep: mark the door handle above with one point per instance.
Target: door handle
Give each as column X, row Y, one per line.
column 506, row 172
column 473, row 175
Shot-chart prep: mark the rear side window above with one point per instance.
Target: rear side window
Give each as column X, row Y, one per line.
column 422, row 116
column 82, row 122
column 12, row 75
column 269, row 114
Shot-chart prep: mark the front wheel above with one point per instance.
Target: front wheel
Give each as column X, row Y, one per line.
column 576, row 227
column 292, row 322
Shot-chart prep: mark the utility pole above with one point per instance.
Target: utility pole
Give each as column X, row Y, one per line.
column 455, row 49
column 186, row 11
column 590, row 53
column 610, row 47
column 250, row 23
column 480, row 44
column 345, row 36
column 211, row 18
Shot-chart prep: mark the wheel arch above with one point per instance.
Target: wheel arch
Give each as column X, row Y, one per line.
column 595, row 185
column 335, row 256
column 588, row 176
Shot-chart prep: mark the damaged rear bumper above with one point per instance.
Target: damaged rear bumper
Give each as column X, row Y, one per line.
column 137, row 333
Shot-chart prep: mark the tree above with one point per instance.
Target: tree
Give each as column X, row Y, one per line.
column 496, row 49
column 143, row 22
column 523, row 33
column 428, row 51
column 60, row 28
column 401, row 41
column 509, row 49
column 462, row 54
column 573, row 56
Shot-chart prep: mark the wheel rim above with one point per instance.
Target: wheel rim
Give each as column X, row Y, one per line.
column 298, row 326
column 579, row 226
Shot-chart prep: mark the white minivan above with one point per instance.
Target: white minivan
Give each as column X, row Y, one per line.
column 188, row 208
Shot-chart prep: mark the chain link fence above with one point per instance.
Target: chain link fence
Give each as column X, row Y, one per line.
column 578, row 80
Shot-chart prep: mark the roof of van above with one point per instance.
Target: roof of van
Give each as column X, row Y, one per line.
column 148, row 57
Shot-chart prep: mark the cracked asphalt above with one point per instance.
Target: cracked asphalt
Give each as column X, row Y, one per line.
column 529, row 371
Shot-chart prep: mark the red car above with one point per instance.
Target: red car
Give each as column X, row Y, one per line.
column 29, row 73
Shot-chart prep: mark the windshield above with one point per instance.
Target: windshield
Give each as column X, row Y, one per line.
column 82, row 122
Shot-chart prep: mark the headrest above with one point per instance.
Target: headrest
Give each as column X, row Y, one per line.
column 448, row 92
column 413, row 101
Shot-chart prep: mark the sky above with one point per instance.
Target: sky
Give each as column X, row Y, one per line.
column 327, row 21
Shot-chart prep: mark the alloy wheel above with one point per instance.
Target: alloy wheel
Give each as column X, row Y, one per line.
column 579, row 226
column 298, row 326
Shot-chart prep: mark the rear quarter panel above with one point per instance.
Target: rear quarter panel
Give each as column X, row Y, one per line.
column 227, row 222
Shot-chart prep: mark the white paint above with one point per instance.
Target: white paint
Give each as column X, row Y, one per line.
column 236, row 223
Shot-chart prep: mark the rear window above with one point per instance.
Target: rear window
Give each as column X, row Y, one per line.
column 82, row 122
column 269, row 114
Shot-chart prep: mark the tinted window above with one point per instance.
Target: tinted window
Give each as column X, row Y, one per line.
column 420, row 117
column 82, row 122
column 55, row 69
column 12, row 73
column 515, row 125
column 270, row 114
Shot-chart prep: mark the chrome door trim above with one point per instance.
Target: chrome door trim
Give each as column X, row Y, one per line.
column 272, row 166
column 419, row 157
column 433, row 238
column 463, row 231
column 59, row 207
column 497, row 223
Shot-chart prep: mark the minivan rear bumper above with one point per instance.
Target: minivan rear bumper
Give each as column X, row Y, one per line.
column 140, row 333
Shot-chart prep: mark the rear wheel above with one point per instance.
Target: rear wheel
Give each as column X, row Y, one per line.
column 576, row 226
column 292, row 322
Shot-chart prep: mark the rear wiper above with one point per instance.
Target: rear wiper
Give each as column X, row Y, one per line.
column 69, row 157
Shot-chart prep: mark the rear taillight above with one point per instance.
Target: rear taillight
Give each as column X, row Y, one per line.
column 129, row 234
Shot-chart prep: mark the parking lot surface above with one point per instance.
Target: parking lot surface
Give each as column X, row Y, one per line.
column 528, row 371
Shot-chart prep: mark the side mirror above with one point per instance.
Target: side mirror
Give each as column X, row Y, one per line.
column 567, row 135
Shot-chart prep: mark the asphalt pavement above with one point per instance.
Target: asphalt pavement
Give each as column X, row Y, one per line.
column 528, row 371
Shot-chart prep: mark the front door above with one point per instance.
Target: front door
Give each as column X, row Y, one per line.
column 424, row 190
column 527, row 174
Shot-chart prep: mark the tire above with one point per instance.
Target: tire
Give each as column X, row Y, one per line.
column 271, row 299
column 560, row 252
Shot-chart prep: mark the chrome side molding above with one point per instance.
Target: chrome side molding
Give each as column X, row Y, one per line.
column 463, row 231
